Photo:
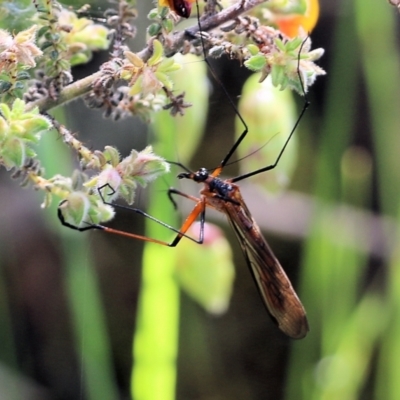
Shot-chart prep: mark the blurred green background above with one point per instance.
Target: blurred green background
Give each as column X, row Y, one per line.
column 68, row 301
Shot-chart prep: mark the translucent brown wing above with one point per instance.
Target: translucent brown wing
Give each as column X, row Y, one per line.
column 274, row 286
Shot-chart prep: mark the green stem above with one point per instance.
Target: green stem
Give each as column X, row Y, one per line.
column 92, row 342
column 156, row 337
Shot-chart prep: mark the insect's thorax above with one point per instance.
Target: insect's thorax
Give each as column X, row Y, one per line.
column 218, row 192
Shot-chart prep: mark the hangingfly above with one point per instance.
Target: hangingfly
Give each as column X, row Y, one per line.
column 274, row 286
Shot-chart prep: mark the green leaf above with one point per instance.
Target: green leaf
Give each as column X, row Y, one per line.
column 75, row 209
column 23, row 75
column 13, row 153
column 256, row 63
column 112, row 155
column 152, row 14
column 168, row 25
column 5, row 111
column 192, row 79
column 43, row 30
column 5, row 86
column 19, row 85
column 293, row 45
column 158, row 53
column 54, row 54
column 206, row 273
column 165, row 80
column 277, row 75
column 154, row 29
column 253, row 49
column 270, row 115
column 45, row 45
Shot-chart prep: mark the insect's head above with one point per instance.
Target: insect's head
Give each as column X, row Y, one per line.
column 182, row 8
column 200, row 176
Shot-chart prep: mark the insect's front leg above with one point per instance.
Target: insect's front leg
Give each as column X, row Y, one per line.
column 172, row 191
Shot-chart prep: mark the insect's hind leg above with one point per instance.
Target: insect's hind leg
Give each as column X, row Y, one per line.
column 68, row 225
column 173, row 191
column 180, row 232
column 199, row 208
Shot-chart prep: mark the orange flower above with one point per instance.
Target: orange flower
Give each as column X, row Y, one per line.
column 289, row 24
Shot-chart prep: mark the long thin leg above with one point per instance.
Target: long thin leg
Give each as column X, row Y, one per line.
column 172, row 191
column 305, row 107
column 198, row 209
column 272, row 166
column 225, row 160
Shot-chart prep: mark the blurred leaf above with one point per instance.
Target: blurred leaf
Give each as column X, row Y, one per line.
column 270, row 115
column 187, row 130
column 206, row 272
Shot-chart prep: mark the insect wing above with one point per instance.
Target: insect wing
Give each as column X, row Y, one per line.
column 275, row 288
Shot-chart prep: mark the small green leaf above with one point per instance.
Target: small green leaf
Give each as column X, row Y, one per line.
column 5, row 111
column 19, row 85
column 294, row 44
column 112, row 155
column 23, row 75
column 166, row 64
column 253, row 49
column 13, row 153
column 164, row 12
column 79, row 58
column 64, row 64
column 128, row 193
column 168, row 25
column 45, row 45
column 43, row 30
column 158, row 52
column 154, row 29
column 54, row 54
column 75, row 209
column 5, row 86
column 35, row 126
column 153, row 13
column 256, row 63
column 4, row 128
column 18, row 108
column 165, row 80
column 277, row 74
column 279, row 44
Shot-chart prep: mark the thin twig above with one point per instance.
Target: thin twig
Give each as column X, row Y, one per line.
column 83, row 86
column 211, row 22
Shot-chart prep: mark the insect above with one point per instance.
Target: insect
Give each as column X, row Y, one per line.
column 274, row 286
column 182, row 7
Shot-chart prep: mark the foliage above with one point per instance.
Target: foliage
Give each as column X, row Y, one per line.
column 61, row 39
column 36, row 76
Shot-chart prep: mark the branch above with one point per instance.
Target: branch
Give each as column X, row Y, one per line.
column 211, row 22
column 69, row 93
column 83, row 86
